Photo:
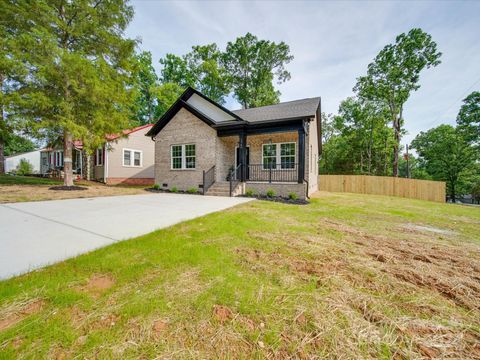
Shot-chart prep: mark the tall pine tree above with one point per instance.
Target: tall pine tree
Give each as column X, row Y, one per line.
column 79, row 69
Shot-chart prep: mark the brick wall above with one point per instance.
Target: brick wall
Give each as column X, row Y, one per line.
column 184, row 128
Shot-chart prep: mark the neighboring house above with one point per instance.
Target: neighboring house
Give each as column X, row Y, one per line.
column 33, row 157
column 51, row 159
column 200, row 144
column 126, row 158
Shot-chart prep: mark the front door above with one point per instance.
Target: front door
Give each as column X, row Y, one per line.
column 248, row 160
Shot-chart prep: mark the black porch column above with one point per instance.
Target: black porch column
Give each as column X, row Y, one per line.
column 242, row 149
column 301, row 155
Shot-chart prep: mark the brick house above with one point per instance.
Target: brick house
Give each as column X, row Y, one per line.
column 200, row 144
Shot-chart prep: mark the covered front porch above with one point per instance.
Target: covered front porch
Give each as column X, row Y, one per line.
column 264, row 157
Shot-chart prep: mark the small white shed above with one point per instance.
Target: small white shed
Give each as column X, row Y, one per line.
column 33, row 157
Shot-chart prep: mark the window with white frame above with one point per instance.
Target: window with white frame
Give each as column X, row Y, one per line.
column 183, row 157
column 58, row 158
column 278, row 156
column 99, row 157
column 132, row 157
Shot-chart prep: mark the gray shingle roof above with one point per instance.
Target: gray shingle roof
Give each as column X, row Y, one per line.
column 285, row 110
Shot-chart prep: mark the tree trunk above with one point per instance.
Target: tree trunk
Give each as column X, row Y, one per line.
column 2, row 138
column 452, row 191
column 396, row 145
column 67, row 159
column 2, row 156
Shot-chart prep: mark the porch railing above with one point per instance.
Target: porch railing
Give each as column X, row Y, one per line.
column 234, row 177
column 287, row 172
column 208, row 179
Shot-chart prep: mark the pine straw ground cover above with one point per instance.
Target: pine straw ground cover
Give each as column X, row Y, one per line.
column 348, row 276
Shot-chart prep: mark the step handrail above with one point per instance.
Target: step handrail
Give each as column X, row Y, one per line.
column 234, row 178
column 208, row 179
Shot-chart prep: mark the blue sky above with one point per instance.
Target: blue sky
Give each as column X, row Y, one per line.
column 333, row 42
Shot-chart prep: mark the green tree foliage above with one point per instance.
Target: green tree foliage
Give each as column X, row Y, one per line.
column 468, row 118
column 200, row 69
column 447, row 155
column 166, row 94
column 16, row 144
column 24, row 167
column 394, row 75
column 252, row 66
column 14, row 38
column 146, row 83
column 80, row 68
column 357, row 140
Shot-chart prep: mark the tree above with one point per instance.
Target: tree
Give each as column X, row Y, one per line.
column 80, row 68
column 16, row 144
column 359, row 140
column 200, row 69
column 146, row 83
column 447, row 155
column 24, row 167
column 165, row 95
column 395, row 73
column 252, row 66
column 13, row 37
column 468, row 118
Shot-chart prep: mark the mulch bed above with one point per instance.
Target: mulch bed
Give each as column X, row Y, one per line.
column 67, row 188
column 280, row 199
column 172, row 192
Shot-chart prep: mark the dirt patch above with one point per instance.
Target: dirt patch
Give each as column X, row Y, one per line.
column 105, row 321
column 19, row 193
column 30, row 308
column 222, row 313
column 159, row 326
column 98, row 284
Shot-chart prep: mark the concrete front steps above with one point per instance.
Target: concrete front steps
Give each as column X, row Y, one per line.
column 219, row 188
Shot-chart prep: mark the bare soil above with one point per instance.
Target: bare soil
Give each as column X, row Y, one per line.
column 21, row 193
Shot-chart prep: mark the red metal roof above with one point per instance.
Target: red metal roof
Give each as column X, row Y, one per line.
column 111, row 137
column 79, row 144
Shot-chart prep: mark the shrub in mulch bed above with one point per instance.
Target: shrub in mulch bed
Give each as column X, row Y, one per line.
column 67, row 188
column 173, row 192
column 280, row 199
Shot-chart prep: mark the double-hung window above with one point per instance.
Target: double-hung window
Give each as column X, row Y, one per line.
column 99, row 157
column 132, row 158
column 279, row 156
column 58, row 158
column 183, row 157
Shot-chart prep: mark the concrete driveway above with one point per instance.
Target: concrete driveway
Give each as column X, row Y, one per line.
column 35, row 234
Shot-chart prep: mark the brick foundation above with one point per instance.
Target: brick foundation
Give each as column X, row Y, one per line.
column 130, row 181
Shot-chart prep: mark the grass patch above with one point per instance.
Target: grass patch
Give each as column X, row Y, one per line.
column 346, row 276
column 27, row 180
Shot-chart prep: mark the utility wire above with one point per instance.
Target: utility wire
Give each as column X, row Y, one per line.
column 455, row 102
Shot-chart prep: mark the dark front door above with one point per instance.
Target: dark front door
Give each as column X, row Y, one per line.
column 248, row 160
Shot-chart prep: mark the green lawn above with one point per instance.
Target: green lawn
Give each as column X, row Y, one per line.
column 349, row 276
column 27, row 180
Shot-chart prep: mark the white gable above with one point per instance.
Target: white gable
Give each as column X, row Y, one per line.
column 209, row 109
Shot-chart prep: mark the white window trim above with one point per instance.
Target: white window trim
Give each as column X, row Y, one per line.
column 184, row 157
column 58, row 158
column 98, row 163
column 132, row 160
column 278, row 156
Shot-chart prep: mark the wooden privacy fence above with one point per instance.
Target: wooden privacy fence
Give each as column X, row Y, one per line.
column 384, row 185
